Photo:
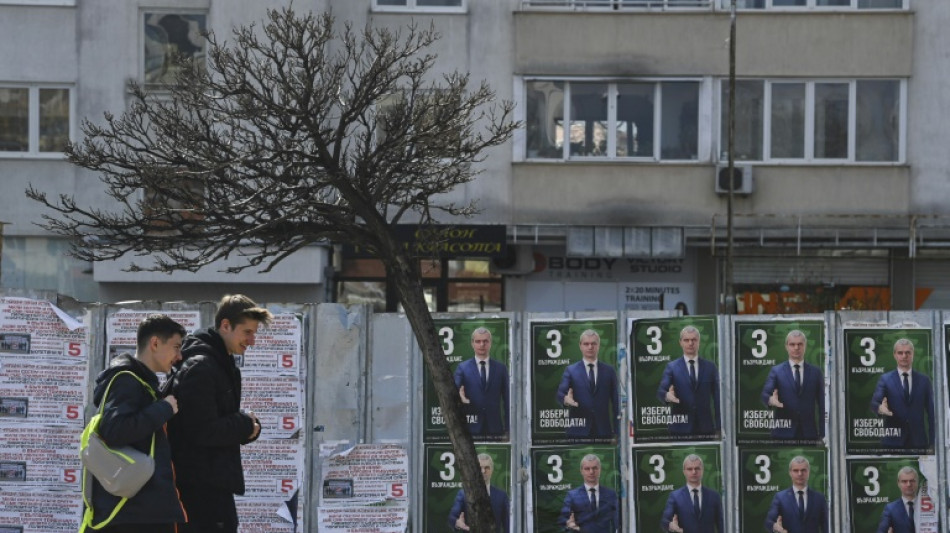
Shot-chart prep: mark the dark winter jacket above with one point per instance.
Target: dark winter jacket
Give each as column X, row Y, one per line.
column 130, row 416
column 209, row 430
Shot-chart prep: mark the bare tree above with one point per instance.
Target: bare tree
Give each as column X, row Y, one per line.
column 299, row 131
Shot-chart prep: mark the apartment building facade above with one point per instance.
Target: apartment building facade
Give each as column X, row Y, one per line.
column 612, row 195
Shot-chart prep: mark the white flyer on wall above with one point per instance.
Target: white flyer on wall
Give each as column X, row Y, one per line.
column 48, row 511
column 39, row 328
column 39, row 455
column 41, row 391
column 277, row 348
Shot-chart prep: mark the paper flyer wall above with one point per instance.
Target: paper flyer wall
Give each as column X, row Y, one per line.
column 365, row 488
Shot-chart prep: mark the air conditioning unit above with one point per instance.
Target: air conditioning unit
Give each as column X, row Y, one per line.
column 518, row 260
column 741, row 179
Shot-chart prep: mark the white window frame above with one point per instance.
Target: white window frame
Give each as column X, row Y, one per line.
column 809, row 154
column 703, row 138
column 617, row 5
column 64, row 3
column 811, row 5
column 33, row 120
column 412, row 7
column 141, row 32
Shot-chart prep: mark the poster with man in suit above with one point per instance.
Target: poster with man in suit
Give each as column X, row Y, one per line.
column 678, row 489
column 575, row 387
column 784, row 490
column 478, row 354
column 894, row 494
column 444, row 499
column 780, row 383
column 575, row 489
column 889, row 392
column 676, row 379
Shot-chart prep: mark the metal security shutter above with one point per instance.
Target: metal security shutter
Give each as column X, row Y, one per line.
column 811, row 270
column 934, row 277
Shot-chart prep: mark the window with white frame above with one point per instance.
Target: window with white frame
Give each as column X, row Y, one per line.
column 817, row 120
column 816, row 4
column 171, row 34
column 34, row 119
column 630, row 119
column 419, row 5
column 618, row 4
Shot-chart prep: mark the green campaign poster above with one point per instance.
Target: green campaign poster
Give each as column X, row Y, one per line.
column 558, row 489
column 778, row 402
column 875, row 483
column 660, row 492
column 882, row 414
column 442, row 502
column 568, row 404
column 673, row 400
column 488, row 406
column 765, row 479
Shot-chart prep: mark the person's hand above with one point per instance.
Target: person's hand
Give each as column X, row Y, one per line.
column 890, row 530
column 257, row 426
column 172, row 402
column 777, row 527
column 460, row 523
column 671, row 395
column 774, row 401
column 884, row 409
column 675, row 525
column 571, row 524
column 463, row 396
column 569, row 398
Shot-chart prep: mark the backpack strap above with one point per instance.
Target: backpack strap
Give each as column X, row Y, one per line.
column 93, row 427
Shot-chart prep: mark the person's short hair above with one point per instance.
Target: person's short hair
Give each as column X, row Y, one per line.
column 486, row 457
column 589, row 333
column 904, row 342
column 796, row 333
column 590, row 457
column 907, row 470
column 692, row 458
column 236, row 308
column 690, row 329
column 482, row 331
column 157, row 325
column 798, row 459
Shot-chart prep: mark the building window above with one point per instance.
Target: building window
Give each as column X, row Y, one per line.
column 450, row 285
column 618, row 4
column 167, row 35
column 821, row 121
column 419, row 5
column 816, row 4
column 34, row 119
column 635, row 119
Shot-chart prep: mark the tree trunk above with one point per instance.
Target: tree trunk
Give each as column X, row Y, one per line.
column 409, row 289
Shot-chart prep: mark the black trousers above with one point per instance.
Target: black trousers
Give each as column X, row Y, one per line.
column 209, row 511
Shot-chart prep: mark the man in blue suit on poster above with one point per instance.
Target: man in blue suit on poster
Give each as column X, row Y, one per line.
column 798, row 509
column 899, row 515
column 589, row 390
column 498, row 497
column 693, row 508
column 796, row 390
column 905, row 398
column 590, row 508
column 690, row 386
column 483, row 388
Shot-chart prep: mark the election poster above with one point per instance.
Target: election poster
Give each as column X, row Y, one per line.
column 42, row 390
column 889, row 391
column 478, row 352
column 767, row 495
column 266, row 515
column 39, row 456
column 559, row 499
column 272, row 467
column 675, row 379
column 575, row 388
column 662, row 498
column 364, row 488
column 49, row 511
column 444, row 505
column 40, row 329
column 122, row 327
column 276, row 401
column 781, row 382
column 880, row 488
column 277, row 348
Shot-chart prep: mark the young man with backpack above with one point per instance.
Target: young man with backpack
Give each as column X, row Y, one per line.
column 132, row 414
column 206, row 438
